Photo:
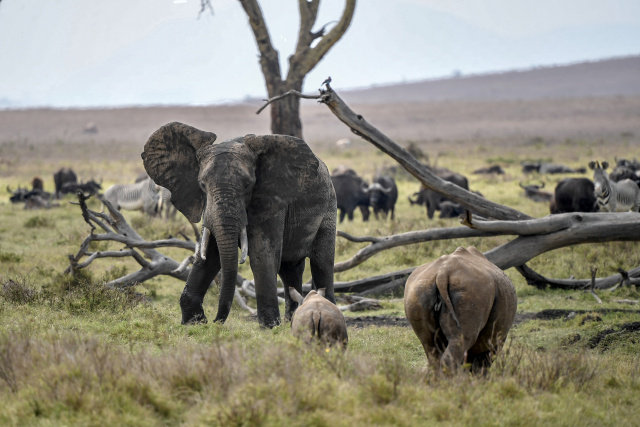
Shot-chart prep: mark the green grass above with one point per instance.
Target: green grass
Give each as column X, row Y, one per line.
column 73, row 352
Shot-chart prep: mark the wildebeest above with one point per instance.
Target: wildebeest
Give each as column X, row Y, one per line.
column 37, row 183
column 461, row 307
column 535, row 193
column 494, row 169
column 626, row 169
column 317, row 318
column 449, row 209
column 548, row 168
column 350, row 193
column 573, row 195
column 24, row 194
column 62, row 177
column 383, row 195
column 431, row 199
column 88, row 188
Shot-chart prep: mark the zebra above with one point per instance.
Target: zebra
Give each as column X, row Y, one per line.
column 166, row 206
column 144, row 195
column 614, row 196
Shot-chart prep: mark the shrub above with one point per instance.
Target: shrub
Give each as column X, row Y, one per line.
column 10, row 257
column 38, row 222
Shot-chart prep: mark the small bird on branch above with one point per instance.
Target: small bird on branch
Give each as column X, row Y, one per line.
column 327, row 81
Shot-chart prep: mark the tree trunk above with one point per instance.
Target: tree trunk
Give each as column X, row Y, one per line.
column 285, row 115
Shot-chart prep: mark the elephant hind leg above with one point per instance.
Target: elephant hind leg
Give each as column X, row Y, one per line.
column 322, row 258
column 291, row 275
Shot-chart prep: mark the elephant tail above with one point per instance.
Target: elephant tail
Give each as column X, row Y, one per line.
column 442, row 286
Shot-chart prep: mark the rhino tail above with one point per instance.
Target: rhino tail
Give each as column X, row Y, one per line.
column 316, row 324
column 442, row 286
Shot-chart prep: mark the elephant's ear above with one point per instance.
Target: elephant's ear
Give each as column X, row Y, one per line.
column 286, row 168
column 170, row 158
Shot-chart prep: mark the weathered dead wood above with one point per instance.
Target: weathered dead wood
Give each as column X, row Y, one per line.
column 379, row 244
column 311, row 47
column 582, row 228
column 535, row 237
column 541, row 282
column 153, row 263
column 592, row 285
column 423, row 173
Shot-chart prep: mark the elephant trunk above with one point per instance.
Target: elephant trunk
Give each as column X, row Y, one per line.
column 228, row 226
column 227, row 240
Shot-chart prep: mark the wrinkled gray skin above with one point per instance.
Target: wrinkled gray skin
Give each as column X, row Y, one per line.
column 350, row 193
column 273, row 187
column 461, row 307
column 317, row 318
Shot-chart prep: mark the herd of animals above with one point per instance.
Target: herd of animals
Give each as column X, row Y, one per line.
column 274, row 199
column 353, row 191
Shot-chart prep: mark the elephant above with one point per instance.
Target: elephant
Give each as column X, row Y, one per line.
column 268, row 194
column 318, row 318
column 350, row 193
column 461, row 303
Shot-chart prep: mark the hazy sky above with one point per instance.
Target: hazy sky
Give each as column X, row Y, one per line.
column 68, row 53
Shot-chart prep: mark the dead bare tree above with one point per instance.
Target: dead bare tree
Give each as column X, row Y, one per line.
column 311, row 47
column 152, row 262
column 535, row 236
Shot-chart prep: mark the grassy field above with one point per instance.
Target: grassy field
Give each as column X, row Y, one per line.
column 75, row 353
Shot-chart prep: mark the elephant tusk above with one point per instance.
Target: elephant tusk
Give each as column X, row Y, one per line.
column 244, row 245
column 204, row 242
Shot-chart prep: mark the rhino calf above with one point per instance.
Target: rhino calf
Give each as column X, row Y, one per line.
column 317, row 318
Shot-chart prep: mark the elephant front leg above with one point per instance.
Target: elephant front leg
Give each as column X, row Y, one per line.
column 266, row 249
column 198, row 282
column 291, row 275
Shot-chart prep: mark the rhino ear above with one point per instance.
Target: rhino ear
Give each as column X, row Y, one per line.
column 170, row 158
column 295, row 295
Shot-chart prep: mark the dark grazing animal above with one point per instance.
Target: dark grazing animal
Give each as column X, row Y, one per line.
column 535, row 193
column 548, row 168
column 449, row 209
column 433, row 200
column 383, row 195
column 62, row 177
column 88, row 188
column 350, row 193
column 37, row 183
column 573, row 195
column 494, row 169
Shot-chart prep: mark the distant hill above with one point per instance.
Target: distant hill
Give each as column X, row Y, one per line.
column 611, row 77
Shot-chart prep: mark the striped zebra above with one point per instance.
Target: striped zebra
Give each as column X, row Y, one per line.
column 144, row 195
column 613, row 196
